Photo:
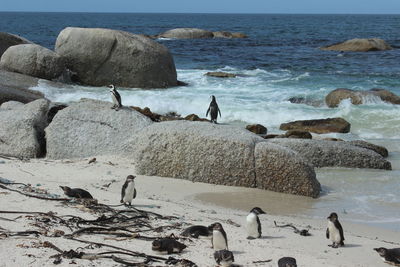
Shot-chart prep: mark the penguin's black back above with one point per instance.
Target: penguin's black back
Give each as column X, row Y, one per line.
column 287, row 262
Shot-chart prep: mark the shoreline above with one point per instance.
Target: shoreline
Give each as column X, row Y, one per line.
column 178, row 197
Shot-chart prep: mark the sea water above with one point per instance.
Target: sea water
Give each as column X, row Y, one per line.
column 280, row 59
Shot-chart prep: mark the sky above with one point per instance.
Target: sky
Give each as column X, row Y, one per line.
column 208, row 6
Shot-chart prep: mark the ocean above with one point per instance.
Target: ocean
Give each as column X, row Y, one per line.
column 280, row 59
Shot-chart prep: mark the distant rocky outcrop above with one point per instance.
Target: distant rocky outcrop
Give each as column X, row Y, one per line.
column 220, row 74
column 91, row 128
column 322, row 153
column 195, row 33
column 100, row 57
column 358, row 97
column 33, row 60
column 8, row 39
column 320, row 126
column 14, row 87
column 218, row 154
column 359, row 45
column 22, row 129
column 257, row 128
column 186, row 33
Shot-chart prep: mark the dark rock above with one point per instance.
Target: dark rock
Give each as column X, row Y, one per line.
column 298, row 134
column 53, row 109
column 386, row 95
column 257, row 128
column 319, row 126
column 220, row 74
column 270, row 136
column 194, row 117
column 8, row 39
column 33, row 60
column 101, row 57
column 180, row 83
column 224, row 34
column 378, row 149
column 332, row 139
column 360, row 45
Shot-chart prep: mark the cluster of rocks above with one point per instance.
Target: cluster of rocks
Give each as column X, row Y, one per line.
column 195, row 33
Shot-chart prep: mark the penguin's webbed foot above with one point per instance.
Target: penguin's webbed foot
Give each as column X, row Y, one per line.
column 251, row 238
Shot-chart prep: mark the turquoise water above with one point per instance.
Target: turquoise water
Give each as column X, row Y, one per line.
column 279, row 60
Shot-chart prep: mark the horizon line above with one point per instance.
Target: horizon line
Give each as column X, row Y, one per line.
column 204, row 13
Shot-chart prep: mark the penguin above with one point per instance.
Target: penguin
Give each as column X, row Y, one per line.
column 116, row 97
column 76, row 192
column 213, row 109
column 219, row 240
column 391, row 256
column 334, row 232
column 197, row 230
column 253, row 224
column 287, row 262
column 167, row 246
column 224, row 257
column 128, row 191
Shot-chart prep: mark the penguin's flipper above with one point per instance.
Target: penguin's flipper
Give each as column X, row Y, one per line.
column 259, row 227
column 134, row 193
column 208, row 110
column 219, row 111
column 327, row 233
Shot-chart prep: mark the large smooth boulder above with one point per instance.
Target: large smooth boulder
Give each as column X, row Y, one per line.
column 14, row 87
column 320, row 126
column 91, row 128
column 22, row 129
column 218, row 154
column 359, row 45
column 8, row 39
column 358, row 97
column 322, row 153
column 100, row 57
column 33, row 60
column 282, row 170
column 186, row 33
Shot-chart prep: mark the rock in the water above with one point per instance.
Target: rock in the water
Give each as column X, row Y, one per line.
column 220, row 74
column 91, row 128
column 323, row 153
column 320, row 126
column 8, row 39
column 22, row 129
column 378, row 149
column 298, row 134
column 257, row 128
column 360, row 45
column 101, row 57
column 224, row 34
column 33, row 60
column 186, row 33
column 282, row 170
column 217, row 154
column 334, row 98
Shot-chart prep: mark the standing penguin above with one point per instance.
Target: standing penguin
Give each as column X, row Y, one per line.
column 334, row 232
column 219, row 240
column 128, row 191
column 253, row 224
column 116, row 97
column 213, row 109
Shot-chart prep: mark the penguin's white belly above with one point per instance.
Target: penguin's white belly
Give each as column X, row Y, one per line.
column 129, row 191
column 114, row 99
column 218, row 241
column 334, row 234
column 252, row 225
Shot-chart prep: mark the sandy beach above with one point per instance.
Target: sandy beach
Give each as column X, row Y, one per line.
column 172, row 197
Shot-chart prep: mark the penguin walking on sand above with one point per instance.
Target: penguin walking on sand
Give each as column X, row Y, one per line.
column 213, row 109
column 391, row 256
column 76, row 192
column 224, row 257
column 128, row 191
column 219, row 239
column 253, row 224
column 287, row 262
column 116, row 97
column 334, row 232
